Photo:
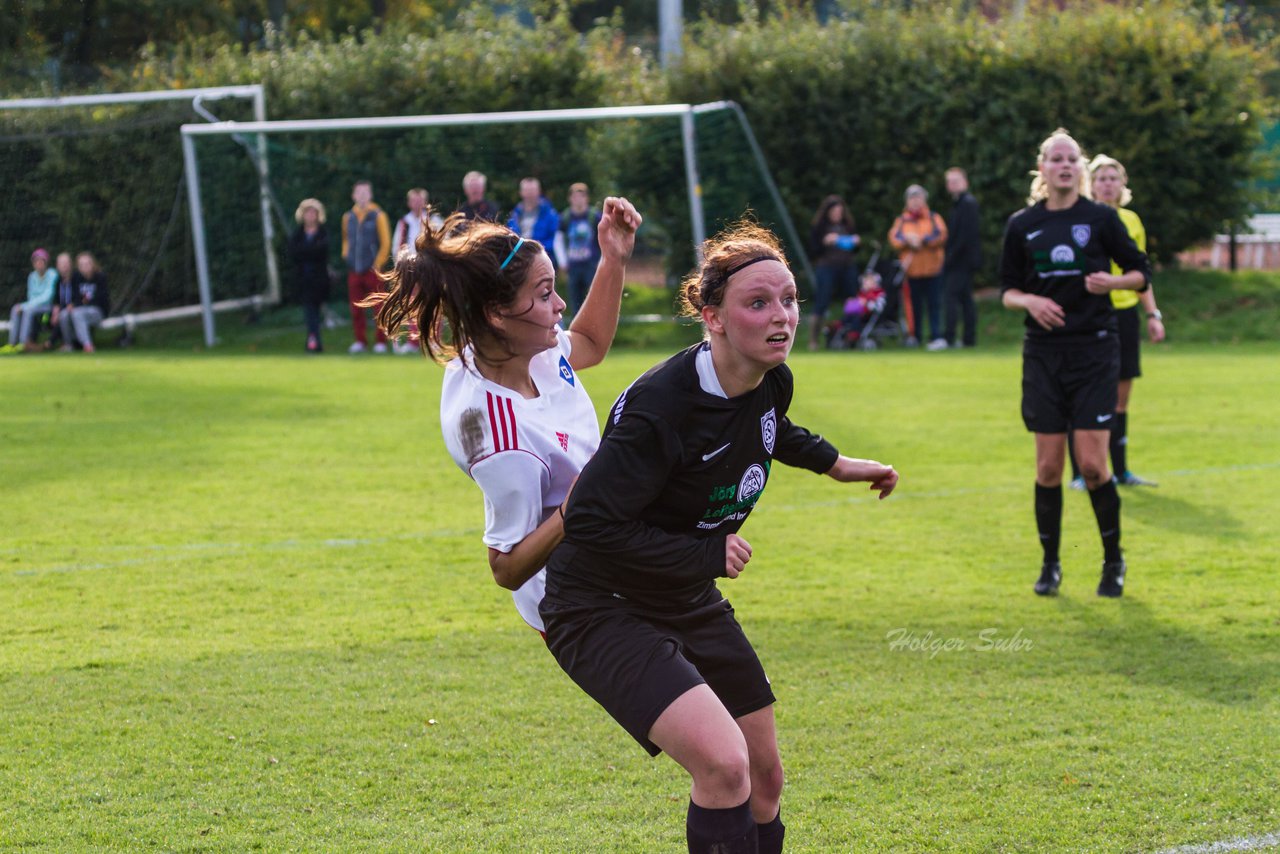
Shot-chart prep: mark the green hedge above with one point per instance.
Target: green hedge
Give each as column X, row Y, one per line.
column 866, row 107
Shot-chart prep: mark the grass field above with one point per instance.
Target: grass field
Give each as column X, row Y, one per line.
column 246, row 607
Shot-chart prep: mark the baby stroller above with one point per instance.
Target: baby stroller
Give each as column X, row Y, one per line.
column 871, row 316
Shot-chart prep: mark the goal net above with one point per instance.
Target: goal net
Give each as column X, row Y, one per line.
column 104, row 174
column 689, row 169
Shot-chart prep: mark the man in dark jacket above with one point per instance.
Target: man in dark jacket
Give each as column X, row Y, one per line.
column 963, row 259
column 477, row 206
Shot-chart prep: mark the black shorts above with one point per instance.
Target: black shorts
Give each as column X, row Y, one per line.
column 636, row 660
column 1070, row 388
column 1130, row 341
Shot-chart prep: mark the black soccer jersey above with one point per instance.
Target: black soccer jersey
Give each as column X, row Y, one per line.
column 1049, row 253
column 678, row 469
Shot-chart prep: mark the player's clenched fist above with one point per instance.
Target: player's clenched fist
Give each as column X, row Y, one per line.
column 737, row 552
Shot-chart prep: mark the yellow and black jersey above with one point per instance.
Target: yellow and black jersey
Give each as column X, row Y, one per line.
column 1133, row 225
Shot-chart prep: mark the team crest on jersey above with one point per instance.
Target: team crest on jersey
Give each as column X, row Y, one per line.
column 1062, row 254
column 752, row 482
column 768, row 430
column 1080, row 234
column 566, row 372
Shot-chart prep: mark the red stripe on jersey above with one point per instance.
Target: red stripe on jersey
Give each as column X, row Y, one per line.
column 511, row 412
column 502, row 419
column 493, row 422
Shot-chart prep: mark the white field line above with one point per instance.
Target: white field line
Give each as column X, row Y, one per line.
column 1245, row 843
column 179, row 551
column 157, row 553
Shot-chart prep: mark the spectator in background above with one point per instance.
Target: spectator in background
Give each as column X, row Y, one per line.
column 309, row 250
column 919, row 235
column 580, row 252
column 535, row 218
column 90, row 303
column 42, row 283
column 963, row 259
column 833, row 240
column 366, row 246
column 477, row 206
column 63, row 297
column 408, row 227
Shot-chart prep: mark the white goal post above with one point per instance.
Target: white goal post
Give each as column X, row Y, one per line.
column 684, row 112
column 197, row 96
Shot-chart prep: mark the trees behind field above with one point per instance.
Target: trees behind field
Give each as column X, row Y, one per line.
column 861, row 106
column 864, row 107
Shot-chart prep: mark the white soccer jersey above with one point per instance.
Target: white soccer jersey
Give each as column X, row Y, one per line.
column 523, row 454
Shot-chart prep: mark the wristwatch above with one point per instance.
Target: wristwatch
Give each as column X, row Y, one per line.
column 1156, row 315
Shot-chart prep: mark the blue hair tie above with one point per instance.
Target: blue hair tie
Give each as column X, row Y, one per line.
column 514, row 250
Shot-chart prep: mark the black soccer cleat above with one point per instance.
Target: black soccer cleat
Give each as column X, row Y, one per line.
column 1112, row 583
column 1050, row 578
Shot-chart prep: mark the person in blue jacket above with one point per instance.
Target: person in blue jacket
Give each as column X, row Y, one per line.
column 535, row 218
column 42, row 282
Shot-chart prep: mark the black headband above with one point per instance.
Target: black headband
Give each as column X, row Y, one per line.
column 712, row 284
column 748, row 263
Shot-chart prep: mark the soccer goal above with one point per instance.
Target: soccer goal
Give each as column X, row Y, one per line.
column 104, row 174
column 690, row 169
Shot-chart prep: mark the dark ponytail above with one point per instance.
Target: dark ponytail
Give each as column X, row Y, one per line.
column 451, row 282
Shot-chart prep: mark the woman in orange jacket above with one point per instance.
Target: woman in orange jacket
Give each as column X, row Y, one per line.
column 920, row 237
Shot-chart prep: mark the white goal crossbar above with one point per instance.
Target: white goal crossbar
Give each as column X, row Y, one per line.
column 685, row 112
column 254, row 92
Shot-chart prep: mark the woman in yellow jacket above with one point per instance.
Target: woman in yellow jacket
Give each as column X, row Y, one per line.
column 920, row 237
column 1109, row 183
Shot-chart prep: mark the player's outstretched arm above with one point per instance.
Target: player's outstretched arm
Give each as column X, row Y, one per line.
column 882, row 478
column 591, row 333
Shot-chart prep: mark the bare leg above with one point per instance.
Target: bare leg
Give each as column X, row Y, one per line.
column 1051, row 451
column 698, row 732
column 761, row 734
column 1091, row 453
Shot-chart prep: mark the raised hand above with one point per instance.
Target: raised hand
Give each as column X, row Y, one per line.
column 617, row 230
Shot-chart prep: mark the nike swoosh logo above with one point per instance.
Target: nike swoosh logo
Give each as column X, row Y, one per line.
column 1102, row 418
column 706, row 457
column 1032, row 235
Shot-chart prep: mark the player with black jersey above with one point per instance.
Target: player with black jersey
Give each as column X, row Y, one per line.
column 632, row 611
column 1056, row 266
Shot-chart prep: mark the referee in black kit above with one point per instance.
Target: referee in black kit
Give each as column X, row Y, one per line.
column 1056, row 267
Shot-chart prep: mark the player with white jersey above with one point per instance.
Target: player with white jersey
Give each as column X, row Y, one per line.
column 524, row 454
column 513, row 411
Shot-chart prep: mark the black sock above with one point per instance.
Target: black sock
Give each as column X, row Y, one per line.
column 727, row 831
column 1049, row 520
column 1120, row 443
column 1106, row 507
column 770, row 835
column 1071, row 455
